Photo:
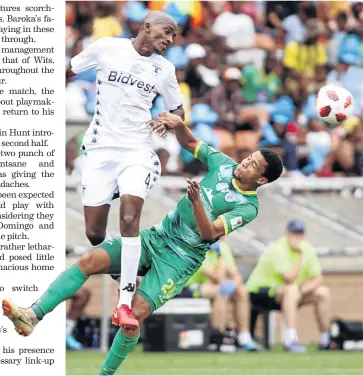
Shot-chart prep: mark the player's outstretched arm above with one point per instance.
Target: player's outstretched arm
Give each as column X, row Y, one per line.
column 183, row 134
column 208, row 230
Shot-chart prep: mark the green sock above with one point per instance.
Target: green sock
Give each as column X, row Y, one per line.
column 61, row 289
column 119, row 350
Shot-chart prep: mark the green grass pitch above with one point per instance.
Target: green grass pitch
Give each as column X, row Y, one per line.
column 275, row 362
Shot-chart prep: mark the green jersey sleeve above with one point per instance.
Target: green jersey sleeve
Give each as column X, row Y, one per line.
column 210, row 156
column 240, row 216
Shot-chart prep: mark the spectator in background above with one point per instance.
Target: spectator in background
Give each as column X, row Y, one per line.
column 238, row 125
column 318, row 146
column 226, row 101
column 287, row 276
column 219, row 280
column 348, row 74
column 82, row 35
column 80, row 96
column 295, row 25
column 105, row 22
column 339, row 32
column 277, row 11
column 134, row 13
column 319, row 81
column 236, row 37
column 303, row 56
column 177, row 56
column 203, row 118
column 198, row 77
column 261, row 85
column 78, row 303
column 357, row 10
column 347, row 152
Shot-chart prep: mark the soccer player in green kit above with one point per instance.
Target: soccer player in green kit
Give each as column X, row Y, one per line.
column 173, row 250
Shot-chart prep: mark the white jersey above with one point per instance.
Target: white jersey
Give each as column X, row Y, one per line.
column 126, row 85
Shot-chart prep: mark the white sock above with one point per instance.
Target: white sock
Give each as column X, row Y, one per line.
column 290, row 336
column 130, row 258
column 244, row 338
column 107, row 237
column 324, row 338
column 70, row 325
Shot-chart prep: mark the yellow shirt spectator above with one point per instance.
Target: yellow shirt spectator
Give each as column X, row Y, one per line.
column 304, row 58
column 211, row 261
column 280, row 258
column 106, row 27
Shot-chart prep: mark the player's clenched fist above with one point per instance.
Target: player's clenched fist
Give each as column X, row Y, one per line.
column 193, row 190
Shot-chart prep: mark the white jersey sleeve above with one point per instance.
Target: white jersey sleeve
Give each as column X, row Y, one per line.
column 88, row 58
column 170, row 91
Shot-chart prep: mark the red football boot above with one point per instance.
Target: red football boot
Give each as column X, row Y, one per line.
column 123, row 317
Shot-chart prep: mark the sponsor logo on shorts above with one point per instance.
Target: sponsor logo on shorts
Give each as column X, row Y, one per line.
column 236, row 222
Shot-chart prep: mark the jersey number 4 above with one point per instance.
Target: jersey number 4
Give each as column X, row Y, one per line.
column 147, row 181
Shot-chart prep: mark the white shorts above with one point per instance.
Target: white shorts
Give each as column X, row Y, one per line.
column 110, row 171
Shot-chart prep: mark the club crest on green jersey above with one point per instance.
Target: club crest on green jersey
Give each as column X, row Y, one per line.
column 222, row 187
column 224, row 172
column 230, row 197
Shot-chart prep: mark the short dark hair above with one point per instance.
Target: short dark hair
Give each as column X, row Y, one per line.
column 309, row 10
column 274, row 165
column 342, row 16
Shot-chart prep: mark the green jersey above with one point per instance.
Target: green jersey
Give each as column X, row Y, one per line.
column 221, row 198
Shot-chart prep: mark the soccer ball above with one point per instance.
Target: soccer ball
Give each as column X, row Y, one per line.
column 334, row 104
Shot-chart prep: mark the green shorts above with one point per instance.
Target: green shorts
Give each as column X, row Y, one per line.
column 166, row 273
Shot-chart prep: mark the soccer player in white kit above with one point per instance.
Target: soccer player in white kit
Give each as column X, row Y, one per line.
column 119, row 159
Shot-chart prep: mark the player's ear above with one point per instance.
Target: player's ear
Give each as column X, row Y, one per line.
column 262, row 180
column 147, row 27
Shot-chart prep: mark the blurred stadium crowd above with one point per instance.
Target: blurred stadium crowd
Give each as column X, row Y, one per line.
column 249, row 73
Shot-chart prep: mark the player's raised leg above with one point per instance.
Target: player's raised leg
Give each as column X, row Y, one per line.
column 65, row 286
column 130, row 212
column 126, row 338
column 134, row 182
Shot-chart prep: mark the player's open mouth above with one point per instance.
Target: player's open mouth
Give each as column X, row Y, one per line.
column 164, row 46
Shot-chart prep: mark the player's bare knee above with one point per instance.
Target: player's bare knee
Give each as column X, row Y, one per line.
column 88, row 263
column 322, row 293
column 241, row 292
column 291, row 291
column 95, row 236
column 130, row 224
